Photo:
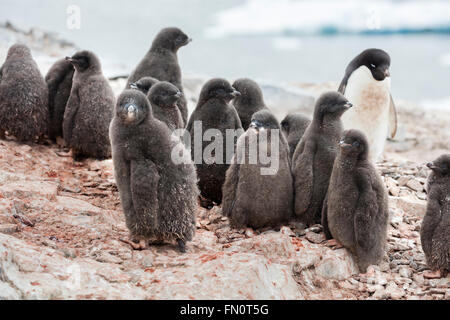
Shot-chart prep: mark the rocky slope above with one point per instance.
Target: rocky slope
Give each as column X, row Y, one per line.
column 61, row 229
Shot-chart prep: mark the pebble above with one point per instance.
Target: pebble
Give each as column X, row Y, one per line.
column 315, row 237
column 380, row 294
column 421, row 195
column 414, row 185
column 405, row 272
column 105, row 257
column 402, row 181
column 394, row 292
column 9, row 228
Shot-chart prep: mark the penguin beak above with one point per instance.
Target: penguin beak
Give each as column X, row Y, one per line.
column 235, row 93
column 70, row 59
column 431, row 166
column 387, row 73
column 254, row 126
column 133, row 86
column 131, row 112
column 344, row 145
column 179, row 94
column 348, row 105
column 189, row 40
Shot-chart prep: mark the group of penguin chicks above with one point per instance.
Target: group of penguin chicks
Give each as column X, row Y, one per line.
column 325, row 175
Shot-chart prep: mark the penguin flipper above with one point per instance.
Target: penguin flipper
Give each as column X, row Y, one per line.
column 229, row 188
column 71, row 110
column 144, row 180
column 304, row 176
column 56, row 75
column 430, row 223
column 392, row 119
column 342, row 86
column 326, row 229
column 365, row 217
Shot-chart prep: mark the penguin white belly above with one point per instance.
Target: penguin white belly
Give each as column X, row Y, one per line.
column 370, row 112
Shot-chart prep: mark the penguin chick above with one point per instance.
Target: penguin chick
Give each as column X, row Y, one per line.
column 249, row 102
column 158, row 195
column 161, row 62
column 59, row 82
column 367, row 85
column 434, row 233
column 164, row 97
column 89, row 109
column 314, row 156
column 294, row 126
column 356, row 213
column 214, row 113
column 251, row 197
column 23, row 97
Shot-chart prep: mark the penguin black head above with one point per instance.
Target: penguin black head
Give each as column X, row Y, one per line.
column 250, row 91
column 354, row 144
column 144, row 84
column 170, row 39
column 164, row 94
column 331, row 105
column 19, row 50
column 218, row 89
column 376, row 60
column 441, row 166
column 84, row 61
column 263, row 120
column 132, row 107
column 292, row 121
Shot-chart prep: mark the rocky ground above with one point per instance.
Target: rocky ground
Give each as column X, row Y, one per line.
column 61, row 229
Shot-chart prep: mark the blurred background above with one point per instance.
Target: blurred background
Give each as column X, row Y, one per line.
column 283, row 41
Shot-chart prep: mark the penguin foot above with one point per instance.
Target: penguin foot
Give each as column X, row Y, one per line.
column 156, row 242
column 141, row 245
column 333, row 244
column 432, row 274
column 205, row 203
column 181, row 246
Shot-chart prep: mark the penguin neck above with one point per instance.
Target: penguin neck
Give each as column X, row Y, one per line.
column 204, row 101
column 347, row 162
column 162, row 50
column 333, row 126
column 250, row 102
column 93, row 70
column 365, row 92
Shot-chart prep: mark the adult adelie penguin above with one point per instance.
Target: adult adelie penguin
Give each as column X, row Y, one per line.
column 367, row 85
column 215, row 112
column 435, row 230
column 314, row 156
column 249, row 102
column 294, row 126
column 356, row 211
column 251, row 196
column 59, row 82
column 161, row 62
column 158, row 196
column 89, row 109
column 23, row 96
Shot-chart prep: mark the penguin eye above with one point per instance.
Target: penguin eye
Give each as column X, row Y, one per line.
column 355, row 144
